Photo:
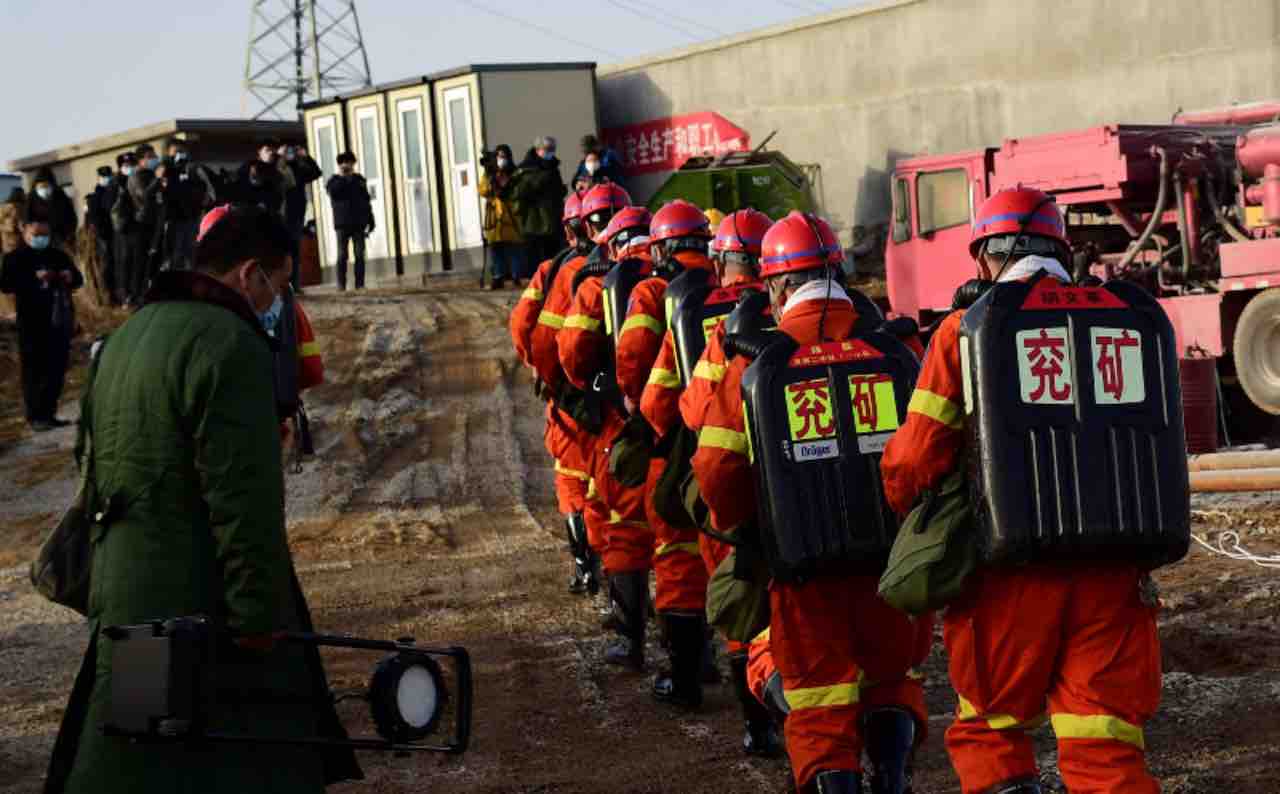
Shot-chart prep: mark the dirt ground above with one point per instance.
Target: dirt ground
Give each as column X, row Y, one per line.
column 429, row 512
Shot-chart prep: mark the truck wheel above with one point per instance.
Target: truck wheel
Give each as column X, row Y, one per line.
column 1257, row 350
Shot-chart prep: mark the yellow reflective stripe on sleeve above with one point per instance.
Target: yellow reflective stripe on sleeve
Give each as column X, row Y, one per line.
column 762, row 636
column 997, row 722
column 1097, row 726
column 642, row 321
column 664, row 378
column 936, row 407
column 723, row 438
column 820, row 696
column 592, row 493
column 616, row 518
column 574, row 473
column 669, row 548
column 531, row 294
column 308, row 349
column 708, row 371
column 582, row 321
column 550, row 319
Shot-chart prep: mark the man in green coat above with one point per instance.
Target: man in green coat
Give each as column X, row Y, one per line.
column 187, row 463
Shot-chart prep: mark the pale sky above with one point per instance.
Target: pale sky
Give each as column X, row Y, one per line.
column 75, row 69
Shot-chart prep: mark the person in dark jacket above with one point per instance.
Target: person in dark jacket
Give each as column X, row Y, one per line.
column 352, row 215
column 142, row 204
column 41, row 278
column 539, row 194
column 48, row 203
column 98, row 217
column 188, row 192
column 305, row 170
column 187, row 460
column 265, row 181
column 599, row 164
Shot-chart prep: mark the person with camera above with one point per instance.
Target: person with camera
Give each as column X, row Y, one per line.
column 189, row 520
column 41, row 278
column 505, row 242
column 352, row 216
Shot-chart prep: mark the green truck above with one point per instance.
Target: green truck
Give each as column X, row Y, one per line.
column 767, row 181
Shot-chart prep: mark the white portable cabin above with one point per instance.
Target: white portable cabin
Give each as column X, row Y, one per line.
column 418, row 143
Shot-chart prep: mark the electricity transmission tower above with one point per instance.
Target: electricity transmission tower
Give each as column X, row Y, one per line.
column 301, row 50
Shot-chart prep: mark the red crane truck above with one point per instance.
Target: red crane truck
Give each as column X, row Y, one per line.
column 1190, row 210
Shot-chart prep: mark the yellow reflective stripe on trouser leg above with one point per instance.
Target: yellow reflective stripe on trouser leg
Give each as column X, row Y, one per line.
column 642, row 321
column 550, row 319
column 996, row 722
column 582, row 321
column 592, row 493
column 574, row 473
column 531, row 294
column 685, row 546
column 817, row 697
column 664, row 378
column 616, row 518
column 1097, row 726
column 308, row 349
column 707, row 371
column 936, row 407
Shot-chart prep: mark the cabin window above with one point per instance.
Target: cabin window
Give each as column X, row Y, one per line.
column 942, row 199
column 901, row 211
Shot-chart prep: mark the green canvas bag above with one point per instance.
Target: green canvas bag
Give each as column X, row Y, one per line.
column 738, row 595
column 935, row 552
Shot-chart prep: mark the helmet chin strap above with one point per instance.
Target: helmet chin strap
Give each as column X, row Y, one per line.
column 1022, row 232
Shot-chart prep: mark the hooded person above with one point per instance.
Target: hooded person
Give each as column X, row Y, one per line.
column 503, row 239
column 49, row 203
column 539, row 194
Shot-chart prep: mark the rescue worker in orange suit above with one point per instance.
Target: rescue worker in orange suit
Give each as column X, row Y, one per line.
column 845, row 657
column 735, row 252
column 1071, row 639
column 587, row 358
column 678, row 236
column 534, row 322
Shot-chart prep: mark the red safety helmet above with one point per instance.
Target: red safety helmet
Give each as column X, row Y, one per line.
column 1011, row 211
column 572, row 208
column 678, row 218
column 800, row 241
column 211, row 219
column 741, row 232
column 625, row 224
column 603, row 198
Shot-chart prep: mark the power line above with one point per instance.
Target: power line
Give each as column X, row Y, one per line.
column 655, row 20
column 682, row 20
column 541, row 29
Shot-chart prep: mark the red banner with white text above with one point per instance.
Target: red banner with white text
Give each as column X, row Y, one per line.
column 665, row 144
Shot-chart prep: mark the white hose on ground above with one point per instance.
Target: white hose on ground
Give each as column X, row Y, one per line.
column 1228, row 546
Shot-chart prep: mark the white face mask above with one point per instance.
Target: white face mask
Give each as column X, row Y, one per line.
column 44, row 191
column 593, row 166
column 104, row 180
column 502, row 162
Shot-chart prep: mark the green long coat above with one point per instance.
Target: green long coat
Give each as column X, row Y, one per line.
column 187, row 453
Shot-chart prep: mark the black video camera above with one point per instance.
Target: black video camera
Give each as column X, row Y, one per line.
column 162, row 688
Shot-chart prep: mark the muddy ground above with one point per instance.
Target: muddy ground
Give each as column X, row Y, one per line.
column 428, row 512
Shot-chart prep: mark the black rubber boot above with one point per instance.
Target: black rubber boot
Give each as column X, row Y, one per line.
column 575, row 528
column 1027, row 785
column 838, row 782
column 762, row 738
column 710, row 673
column 775, row 700
column 682, row 684
column 629, row 592
column 890, row 736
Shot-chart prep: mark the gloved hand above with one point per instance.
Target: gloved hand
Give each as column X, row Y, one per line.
column 630, row 452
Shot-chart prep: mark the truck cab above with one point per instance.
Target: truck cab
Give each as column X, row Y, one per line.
column 927, row 253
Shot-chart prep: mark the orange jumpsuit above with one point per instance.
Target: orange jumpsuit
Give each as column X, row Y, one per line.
column 680, row 574
column 310, row 364
column 569, row 445
column 840, row 649
column 1070, row 639
column 583, row 349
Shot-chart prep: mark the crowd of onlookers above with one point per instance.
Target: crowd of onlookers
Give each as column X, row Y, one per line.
column 524, row 203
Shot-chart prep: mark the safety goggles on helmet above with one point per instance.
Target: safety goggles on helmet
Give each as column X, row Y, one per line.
column 1022, row 245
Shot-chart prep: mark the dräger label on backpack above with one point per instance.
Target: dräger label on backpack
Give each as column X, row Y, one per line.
column 823, row 449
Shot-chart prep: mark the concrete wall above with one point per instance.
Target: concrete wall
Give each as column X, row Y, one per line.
column 856, row 90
